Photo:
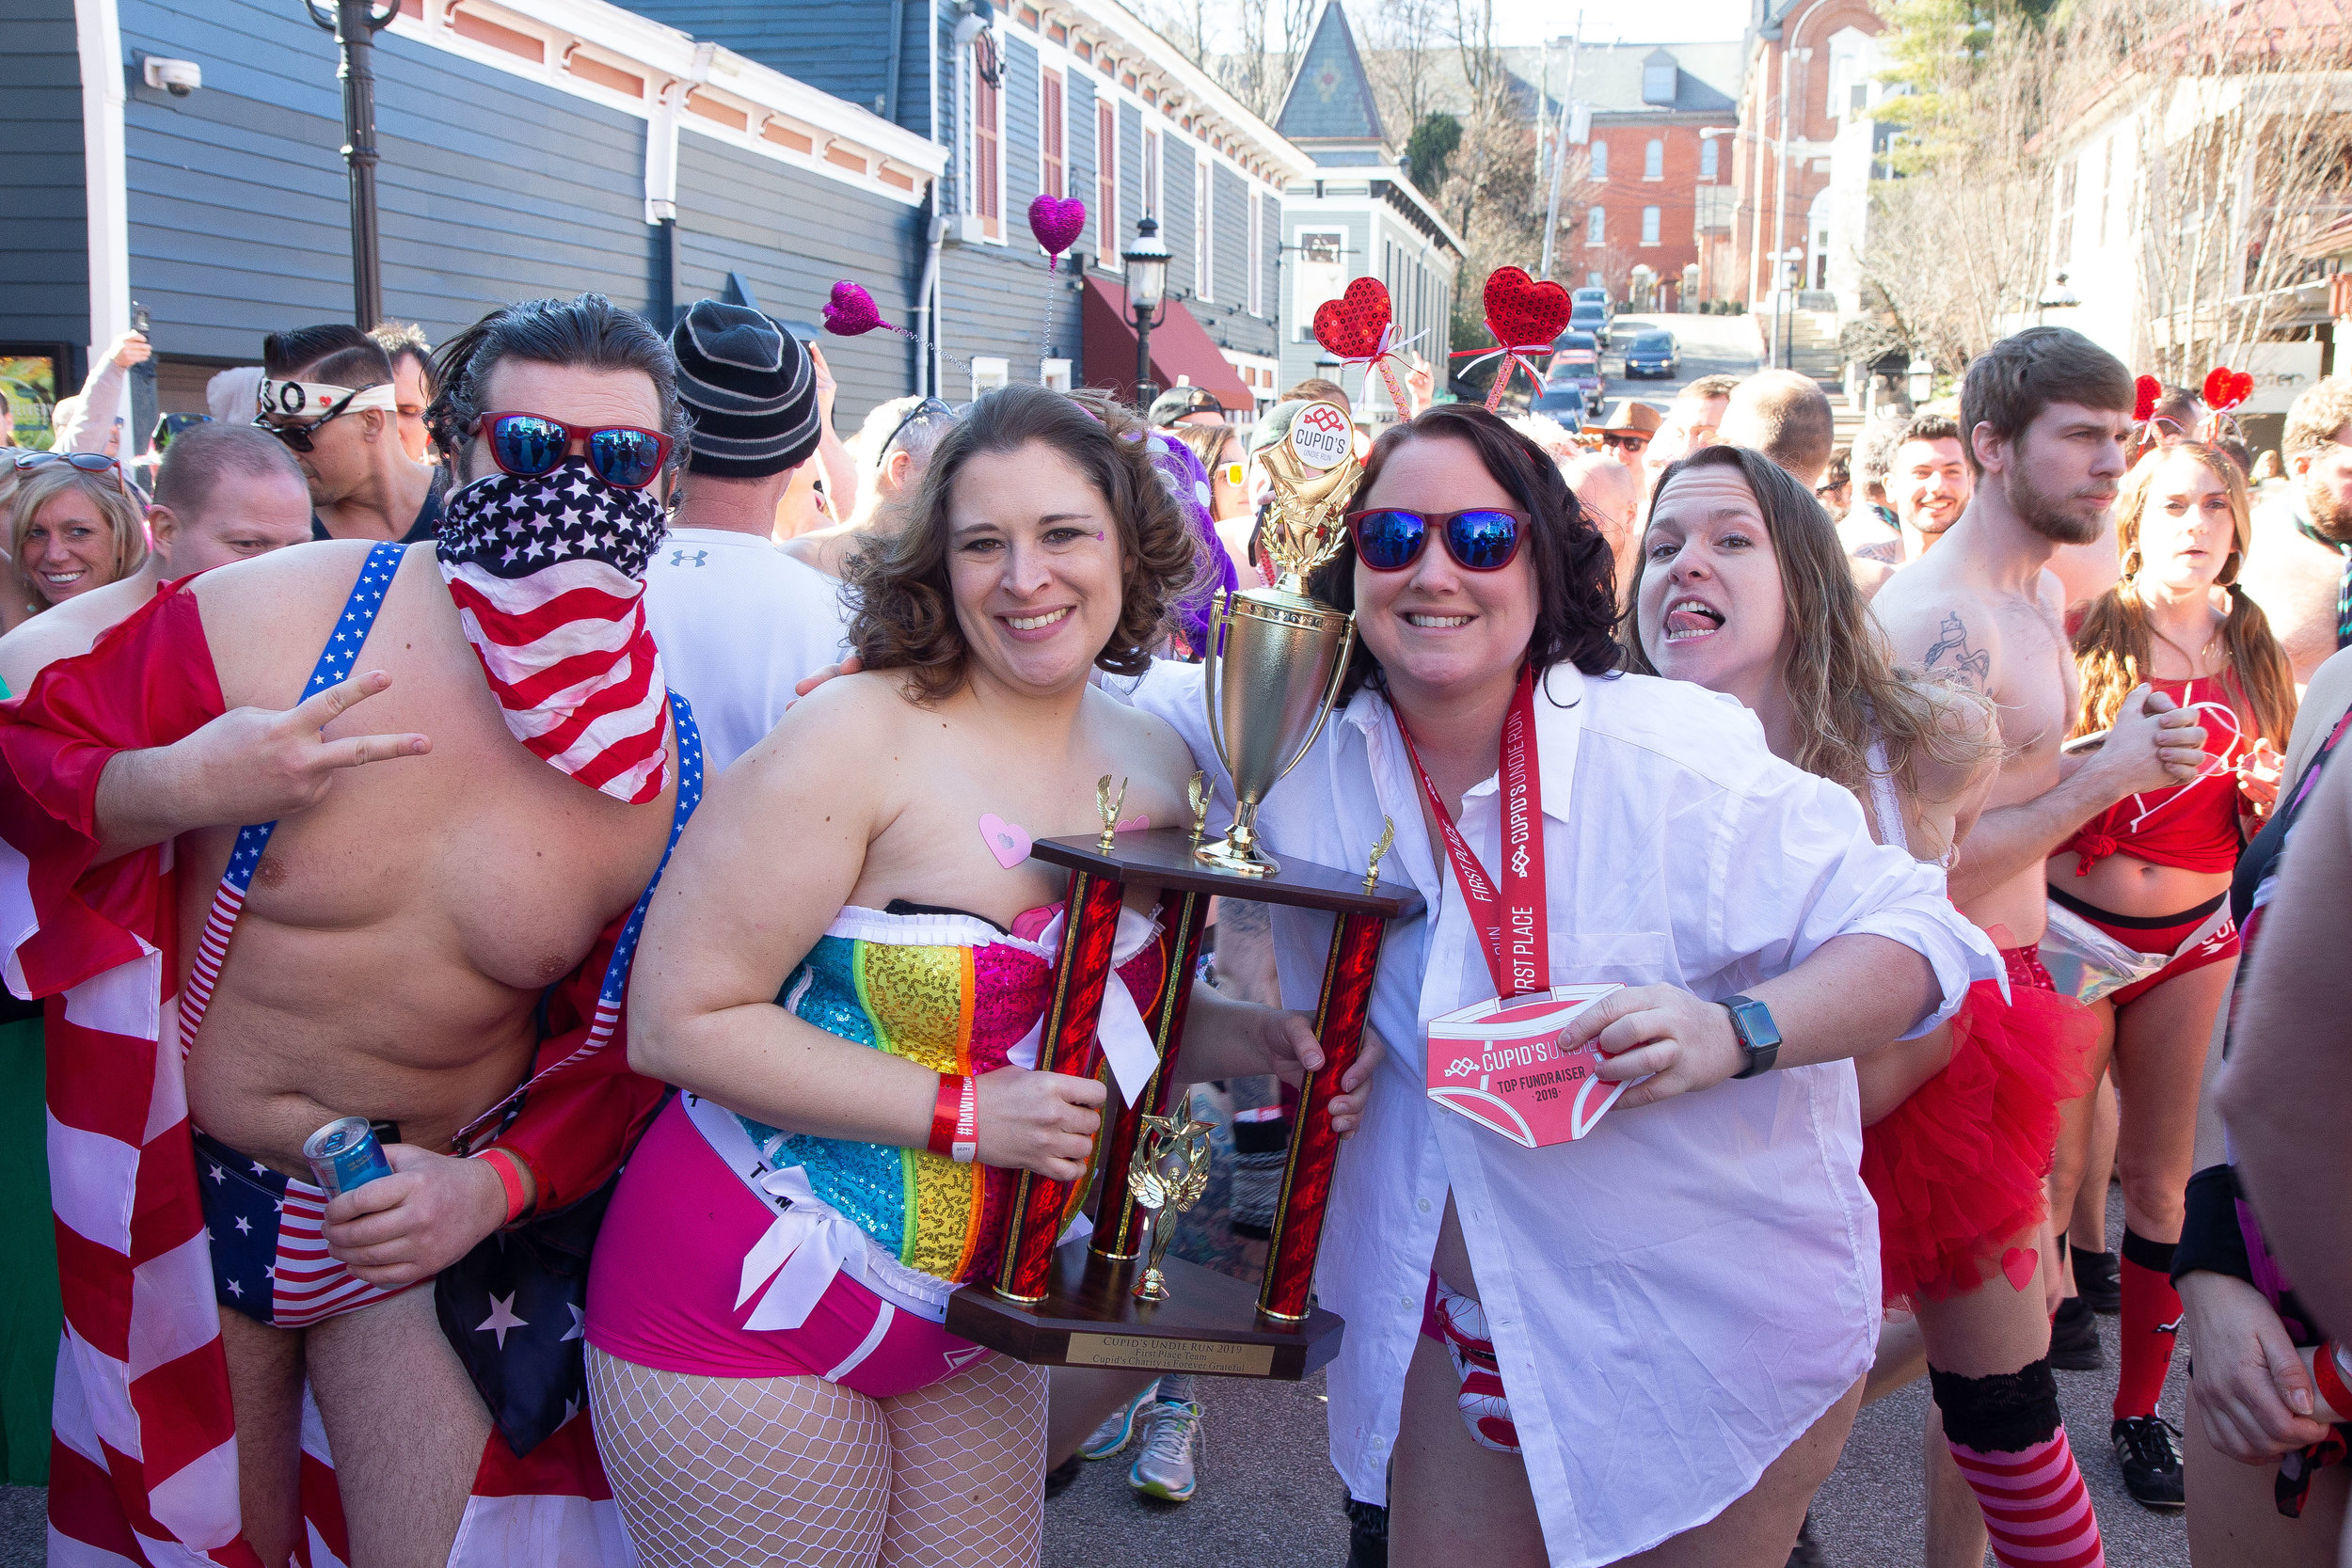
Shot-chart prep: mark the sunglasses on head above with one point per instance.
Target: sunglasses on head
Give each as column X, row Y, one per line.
column 531, row 445
column 1481, row 539
column 1630, row 443
column 929, row 408
column 86, row 462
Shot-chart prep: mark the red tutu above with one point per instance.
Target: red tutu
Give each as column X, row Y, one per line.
column 1957, row 1168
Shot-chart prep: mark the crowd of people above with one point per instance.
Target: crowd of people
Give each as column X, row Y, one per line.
column 621, row 801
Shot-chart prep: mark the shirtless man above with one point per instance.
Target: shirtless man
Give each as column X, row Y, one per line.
column 408, row 923
column 2046, row 414
column 1928, row 481
column 2297, row 569
column 223, row 493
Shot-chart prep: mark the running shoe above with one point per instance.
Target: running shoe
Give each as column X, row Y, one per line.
column 2152, row 1465
column 2074, row 1338
column 1164, row 1468
column 2099, row 1279
column 1114, row 1434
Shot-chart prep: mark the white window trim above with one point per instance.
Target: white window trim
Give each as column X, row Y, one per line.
column 1204, row 225
column 1257, row 256
column 1598, row 154
column 1659, row 143
column 1596, row 233
column 972, row 137
column 1045, row 71
column 1106, row 174
column 1653, row 226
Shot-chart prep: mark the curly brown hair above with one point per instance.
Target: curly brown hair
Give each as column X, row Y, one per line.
column 905, row 603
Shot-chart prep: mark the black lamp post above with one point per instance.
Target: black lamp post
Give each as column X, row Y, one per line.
column 1146, row 292
column 355, row 24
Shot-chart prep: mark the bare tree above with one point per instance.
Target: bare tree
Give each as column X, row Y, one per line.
column 1402, row 48
column 2237, row 124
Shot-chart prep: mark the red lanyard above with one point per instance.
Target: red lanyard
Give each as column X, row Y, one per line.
column 1512, row 930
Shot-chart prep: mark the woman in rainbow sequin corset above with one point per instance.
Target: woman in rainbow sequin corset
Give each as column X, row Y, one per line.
column 846, row 972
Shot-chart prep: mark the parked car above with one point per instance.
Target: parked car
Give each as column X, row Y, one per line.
column 1653, row 354
column 1590, row 315
column 1563, row 400
column 1576, row 360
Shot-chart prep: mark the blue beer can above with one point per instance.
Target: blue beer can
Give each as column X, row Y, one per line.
column 344, row 1154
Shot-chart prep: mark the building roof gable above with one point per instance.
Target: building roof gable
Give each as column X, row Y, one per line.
column 1330, row 97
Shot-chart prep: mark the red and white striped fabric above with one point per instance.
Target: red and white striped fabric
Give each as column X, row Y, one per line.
column 549, row 577
column 143, row 1466
column 2037, row 1511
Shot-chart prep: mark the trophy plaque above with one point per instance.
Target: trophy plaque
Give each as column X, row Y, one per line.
column 1276, row 661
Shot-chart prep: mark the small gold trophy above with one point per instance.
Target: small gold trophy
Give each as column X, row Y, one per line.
column 1108, row 805
column 1277, row 656
column 1168, row 1175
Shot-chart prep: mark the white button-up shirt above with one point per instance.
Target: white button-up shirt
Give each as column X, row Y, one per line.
column 1677, row 1296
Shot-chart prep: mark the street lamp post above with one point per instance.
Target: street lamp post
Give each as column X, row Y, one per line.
column 355, row 24
column 1147, row 291
column 1783, row 307
column 2058, row 297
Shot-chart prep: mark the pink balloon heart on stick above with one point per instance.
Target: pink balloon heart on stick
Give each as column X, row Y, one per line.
column 850, row 310
column 1058, row 222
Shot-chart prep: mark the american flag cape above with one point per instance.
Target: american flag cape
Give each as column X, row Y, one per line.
column 143, row 1458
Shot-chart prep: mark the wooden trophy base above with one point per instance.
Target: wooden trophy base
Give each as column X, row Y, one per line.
column 1090, row 1317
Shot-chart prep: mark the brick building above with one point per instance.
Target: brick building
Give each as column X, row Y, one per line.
column 1807, row 83
column 1656, row 223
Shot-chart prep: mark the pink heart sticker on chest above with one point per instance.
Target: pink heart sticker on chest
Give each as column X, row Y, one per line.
column 1008, row 841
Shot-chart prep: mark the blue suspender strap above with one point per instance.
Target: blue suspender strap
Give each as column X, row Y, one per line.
column 333, row 669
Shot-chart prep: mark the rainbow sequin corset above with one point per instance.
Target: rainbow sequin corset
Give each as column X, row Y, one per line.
column 949, row 992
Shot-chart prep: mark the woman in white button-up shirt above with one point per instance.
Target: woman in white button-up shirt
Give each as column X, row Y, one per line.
column 1683, row 1302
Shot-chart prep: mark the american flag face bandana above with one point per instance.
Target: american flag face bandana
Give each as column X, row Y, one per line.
column 549, row 577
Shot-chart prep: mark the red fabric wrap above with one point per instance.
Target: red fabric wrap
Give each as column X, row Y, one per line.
column 1957, row 1168
column 2192, row 826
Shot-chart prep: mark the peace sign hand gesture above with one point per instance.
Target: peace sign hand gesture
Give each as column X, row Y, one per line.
column 249, row 765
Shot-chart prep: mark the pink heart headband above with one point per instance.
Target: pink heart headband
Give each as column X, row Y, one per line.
column 851, row 312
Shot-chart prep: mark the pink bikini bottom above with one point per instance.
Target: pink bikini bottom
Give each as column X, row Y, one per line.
column 662, row 1284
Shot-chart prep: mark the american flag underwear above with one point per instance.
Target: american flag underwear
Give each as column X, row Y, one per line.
column 548, row 576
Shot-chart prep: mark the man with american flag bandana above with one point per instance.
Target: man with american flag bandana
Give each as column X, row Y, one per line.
column 418, row 912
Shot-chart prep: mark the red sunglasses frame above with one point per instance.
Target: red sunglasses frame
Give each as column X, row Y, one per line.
column 580, row 433
column 1440, row 525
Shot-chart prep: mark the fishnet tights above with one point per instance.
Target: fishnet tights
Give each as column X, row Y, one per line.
column 798, row 1471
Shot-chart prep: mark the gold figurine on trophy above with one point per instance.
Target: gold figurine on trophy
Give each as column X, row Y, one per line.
column 1275, row 656
column 1168, row 1175
column 1108, row 805
column 1387, row 837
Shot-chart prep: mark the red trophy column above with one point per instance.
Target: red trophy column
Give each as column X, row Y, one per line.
column 1346, row 999
column 1090, row 927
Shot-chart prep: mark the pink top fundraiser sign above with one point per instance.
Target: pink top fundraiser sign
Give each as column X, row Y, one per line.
column 1499, row 1064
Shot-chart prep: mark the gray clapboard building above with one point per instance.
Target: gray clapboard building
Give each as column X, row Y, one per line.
column 541, row 147
column 1071, row 98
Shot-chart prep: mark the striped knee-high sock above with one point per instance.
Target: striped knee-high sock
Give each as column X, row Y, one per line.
column 2005, row 1432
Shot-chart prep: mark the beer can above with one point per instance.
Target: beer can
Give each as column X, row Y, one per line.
column 344, row 1154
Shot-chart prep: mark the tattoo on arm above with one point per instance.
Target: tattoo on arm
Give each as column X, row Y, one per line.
column 1952, row 655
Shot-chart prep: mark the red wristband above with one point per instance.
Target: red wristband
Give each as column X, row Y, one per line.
column 511, row 1178
column 954, row 1117
column 2329, row 1378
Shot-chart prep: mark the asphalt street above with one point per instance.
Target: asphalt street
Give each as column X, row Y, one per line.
column 1709, row 345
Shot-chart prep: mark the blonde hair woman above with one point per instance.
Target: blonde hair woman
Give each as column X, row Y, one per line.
column 74, row 524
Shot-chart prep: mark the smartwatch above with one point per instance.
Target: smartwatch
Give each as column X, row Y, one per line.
column 1758, row 1036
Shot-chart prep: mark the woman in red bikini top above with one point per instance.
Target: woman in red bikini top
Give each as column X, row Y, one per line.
column 2153, row 871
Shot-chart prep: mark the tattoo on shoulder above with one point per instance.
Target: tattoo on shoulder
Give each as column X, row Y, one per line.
column 1951, row 655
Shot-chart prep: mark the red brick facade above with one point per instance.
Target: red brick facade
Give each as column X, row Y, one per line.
column 1801, row 50
column 1629, row 197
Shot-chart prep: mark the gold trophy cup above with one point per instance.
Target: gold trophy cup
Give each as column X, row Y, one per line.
column 1277, row 656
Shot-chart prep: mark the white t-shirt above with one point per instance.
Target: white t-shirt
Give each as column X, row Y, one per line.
column 739, row 624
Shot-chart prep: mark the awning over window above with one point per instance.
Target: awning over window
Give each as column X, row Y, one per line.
column 1180, row 349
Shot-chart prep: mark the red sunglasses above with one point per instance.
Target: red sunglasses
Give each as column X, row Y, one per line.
column 530, row 446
